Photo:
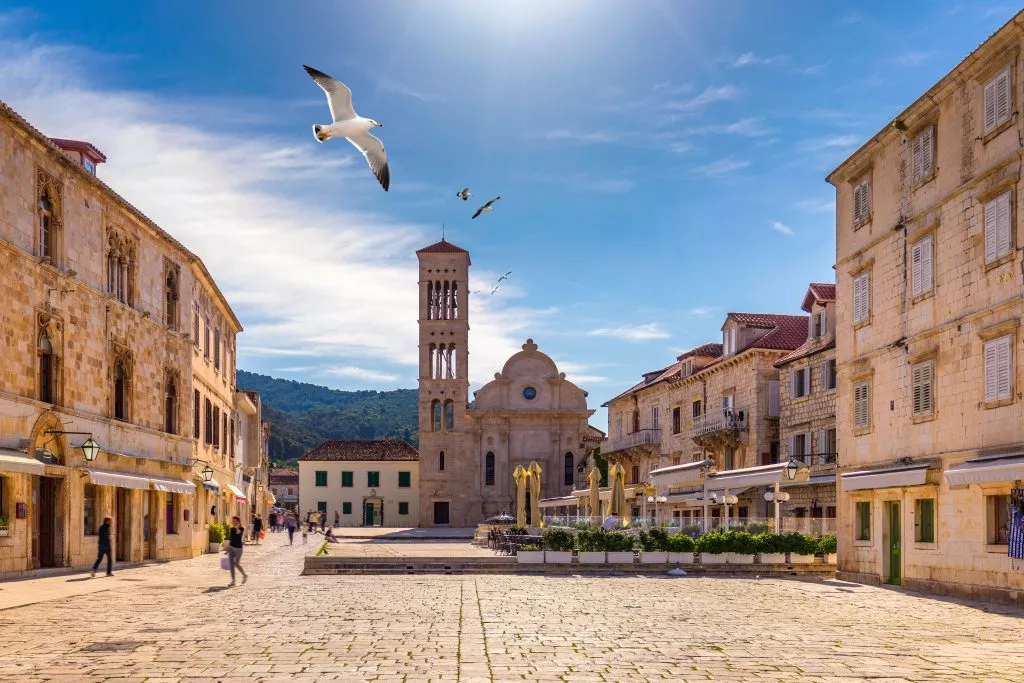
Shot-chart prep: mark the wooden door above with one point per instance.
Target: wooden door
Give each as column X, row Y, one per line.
column 121, row 525
column 441, row 513
column 895, row 550
column 47, row 511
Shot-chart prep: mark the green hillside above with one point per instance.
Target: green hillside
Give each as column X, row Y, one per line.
column 302, row 415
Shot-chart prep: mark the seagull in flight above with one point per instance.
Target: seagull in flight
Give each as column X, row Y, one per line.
column 489, row 206
column 505, row 276
column 494, row 290
column 347, row 124
column 464, row 194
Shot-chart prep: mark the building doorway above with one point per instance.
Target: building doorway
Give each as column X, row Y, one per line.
column 148, row 525
column 441, row 517
column 121, row 512
column 46, row 551
column 373, row 512
column 893, row 544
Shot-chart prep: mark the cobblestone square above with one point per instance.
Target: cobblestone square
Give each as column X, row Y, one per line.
column 176, row 622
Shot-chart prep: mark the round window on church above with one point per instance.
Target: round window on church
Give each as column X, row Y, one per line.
column 529, row 393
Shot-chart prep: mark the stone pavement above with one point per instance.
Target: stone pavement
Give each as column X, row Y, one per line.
column 174, row 622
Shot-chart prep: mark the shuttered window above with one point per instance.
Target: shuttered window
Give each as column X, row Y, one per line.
column 346, row 479
column 923, row 383
column 921, row 271
column 861, row 201
column 773, row 398
column 862, row 297
column 321, row 478
column 862, row 405
column 997, row 99
column 862, row 515
column 998, row 369
column 828, row 374
column 997, row 227
column 924, row 523
column 800, row 383
column 922, row 154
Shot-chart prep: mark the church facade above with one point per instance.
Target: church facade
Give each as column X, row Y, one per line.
column 528, row 413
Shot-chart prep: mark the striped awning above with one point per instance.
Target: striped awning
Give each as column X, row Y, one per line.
column 986, row 470
column 173, row 485
column 118, row 479
column 237, row 492
column 16, row 461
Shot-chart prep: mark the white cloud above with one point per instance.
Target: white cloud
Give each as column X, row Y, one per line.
column 701, row 311
column 751, row 59
column 577, row 136
column 636, row 333
column 781, row 227
column 836, row 142
column 722, row 167
column 402, row 89
column 680, row 147
column 812, row 69
column 850, row 19
column 366, row 374
column 709, row 95
column 913, row 58
column 749, row 127
column 817, row 205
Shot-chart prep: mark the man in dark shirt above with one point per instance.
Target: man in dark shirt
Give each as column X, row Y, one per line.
column 104, row 548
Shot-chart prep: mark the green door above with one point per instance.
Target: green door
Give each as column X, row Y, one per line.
column 895, row 561
column 367, row 514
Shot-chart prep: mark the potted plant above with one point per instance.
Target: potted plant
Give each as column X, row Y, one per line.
column 558, row 545
column 590, row 544
column 680, row 549
column 801, row 549
column 827, row 547
column 770, row 548
column 5, row 525
column 740, row 546
column 711, row 548
column 619, row 547
column 216, row 537
column 530, row 554
column 654, row 546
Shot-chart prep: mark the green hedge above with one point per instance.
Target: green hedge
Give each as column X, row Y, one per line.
column 718, row 542
column 616, row 541
column 558, row 539
column 827, row 544
column 680, row 543
column 655, row 540
column 590, row 540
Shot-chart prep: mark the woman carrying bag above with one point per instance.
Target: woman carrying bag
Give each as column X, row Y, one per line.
column 234, row 549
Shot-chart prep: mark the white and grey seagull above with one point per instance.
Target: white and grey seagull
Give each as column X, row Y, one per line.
column 489, row 206
column 464, row 194
column 347, row 124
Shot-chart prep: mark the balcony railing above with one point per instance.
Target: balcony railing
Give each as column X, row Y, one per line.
column 641, row 437
column 726, row 419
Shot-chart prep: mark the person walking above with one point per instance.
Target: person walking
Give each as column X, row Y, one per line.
column 291, row 523
column 235, row 544
column 272, row 521
column 257, row 529
column 337, row 518
column 323, row 521
column 104, row 548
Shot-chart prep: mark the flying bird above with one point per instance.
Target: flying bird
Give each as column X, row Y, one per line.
column 347, row 124
column 464, row 193
column 489, row 206
column 494, row 290
column 505, row 276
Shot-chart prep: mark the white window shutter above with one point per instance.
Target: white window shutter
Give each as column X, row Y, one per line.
column 792, row 445
column 822, row 442
column 1003, row 372
column 861, row 297
column 915, row 269
column 990, row 105
column 926, row 389
column 928, row 151
column 807, row 381
column 1003, row 224
column 916, row 158
column 1002, row 95
column 773, row 398
column 824, row 320
column 792, row 383
column 927, row 270
column 810, row 326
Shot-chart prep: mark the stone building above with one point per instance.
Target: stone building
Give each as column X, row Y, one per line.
column 361, row 483
column 96, row 348
column 528, row 412
column 284, row 484
column 251, row 457
column 807, row 420
column 930, row 419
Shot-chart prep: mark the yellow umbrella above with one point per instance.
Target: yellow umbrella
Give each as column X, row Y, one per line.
column 619, row 492
column 595, row 496
column 613, row 473
column 535, row 515
column 519, row 474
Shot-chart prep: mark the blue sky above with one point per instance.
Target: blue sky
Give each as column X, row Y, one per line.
column 660, row 163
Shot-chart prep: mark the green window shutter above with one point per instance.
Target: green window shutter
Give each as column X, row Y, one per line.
column 346, row 479
column 404, row 480
column 373, row 479
column 321, row 506
column 864, row 521
column 926, row 520
column 403, row 508
column 321, row 479
column 346, row 508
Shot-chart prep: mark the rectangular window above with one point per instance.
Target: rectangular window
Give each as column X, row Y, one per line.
column 773, row 452
column 997, row 227
column 862, row 297
column 817, row 323
column 346, row 480
column 862, row 520
column 216, row 349
column 346, row 508
column 998, row 519
column 696, row 409
column 862, row 405
column 921, row 272
column 634, row 474
column 730, row 457
column 999, row 368
column 373, row 479
column 676, row 421
column 231, row 442
column 224, row 431
column 654, row 417
column 618, row 427
column 171, row 515
column 216, row 427
column 922, row 154
column 828, row 374
column 404, row 480
column 195, row 323
column 997, row 100
column 403, row 508
column 828, row 447
column 321, row 506
column 197, row 417
column 924, row 520
column 800, row 383
column 89, row 527
column 321, row 478
column 206, row 339
column 862, row 201
column 923, row 382
column 208, row 435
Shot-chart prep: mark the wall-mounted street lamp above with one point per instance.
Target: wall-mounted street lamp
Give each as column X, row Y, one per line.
column 791, row 469
column 207, row 471
column 90, row 449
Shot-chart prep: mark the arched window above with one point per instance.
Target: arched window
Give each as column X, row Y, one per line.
column 446, row 302
column 120, row 391
column 449, row 416
column 430, row 300
column 570, row 472
column 46, row 369
column 45, row 225
column 440, row 462
column 450, row 362
column 435, row 415
column 170, row 407
column 171, row 299
column 489, row 469
column 455, row 301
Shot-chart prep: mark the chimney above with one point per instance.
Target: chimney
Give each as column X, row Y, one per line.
column 82, row 153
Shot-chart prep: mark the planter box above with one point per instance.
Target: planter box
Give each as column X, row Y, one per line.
column 558, row 556
column 680, row 558
column 713, row 558
column 653, row 557
column 739, row 558
column 214, row 547
column 832, row 558
column 617, row 557
column 591, row 557
column 800, row 559
column 530, row 557
column 773, row 558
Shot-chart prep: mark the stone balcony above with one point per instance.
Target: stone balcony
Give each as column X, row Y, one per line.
column 640, row 438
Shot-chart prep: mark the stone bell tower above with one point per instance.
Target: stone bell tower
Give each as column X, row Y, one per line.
column 447, row 478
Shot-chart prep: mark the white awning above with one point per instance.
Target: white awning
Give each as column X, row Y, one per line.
column 680, row 475
column 173, row 485
column 986, row 470
column 16, row 461
column 762, row 475
column 239, row 496
column 696, row 498
column 895, row 477
column 124, row 481
column 816, row 480
column 558, row 502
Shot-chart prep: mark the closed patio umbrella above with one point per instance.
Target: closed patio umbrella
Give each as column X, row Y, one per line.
column 519, row 475
column 619, row 493
column 595, row 496
column 535, row 515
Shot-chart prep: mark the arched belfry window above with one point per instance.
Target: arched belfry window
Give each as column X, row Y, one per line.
column 170, row 407
column 489, row 469
column 570, row 472
column 435, row 415
column 450, row 362
column 47, row 369
column 449, row 416
column 440, row 462
column 430, row 300
column 120, row 391
column 171, row 298
column 46, row 225
column 455, row 301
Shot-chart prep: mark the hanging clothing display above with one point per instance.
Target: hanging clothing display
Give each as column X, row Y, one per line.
column 1016, row 544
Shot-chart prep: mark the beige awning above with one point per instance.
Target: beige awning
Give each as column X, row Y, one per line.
column 16, row 461
column 896, row 477
column 680, row 475
column 558, row 502
column 173, row 485
column 986, row 470
column 762, row 475
column 124, row 481
column 239, row 496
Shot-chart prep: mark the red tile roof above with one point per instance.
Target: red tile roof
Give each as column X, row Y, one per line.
column 368, row 449
column 655, row 375
column 707, row 350
column 808, row 348
column 442, row 247
column 81, row 146
column 820, row 292
column 282, row 476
